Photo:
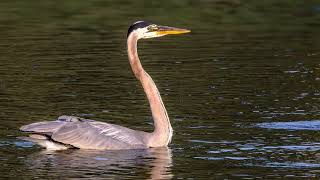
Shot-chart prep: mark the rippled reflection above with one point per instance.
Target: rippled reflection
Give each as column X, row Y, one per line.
column 296, row 125
column 152, row 163
column 245, row 62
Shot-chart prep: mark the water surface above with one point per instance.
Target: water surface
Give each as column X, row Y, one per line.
column 245, row 63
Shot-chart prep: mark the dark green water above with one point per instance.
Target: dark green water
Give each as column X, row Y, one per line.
column 245, row 63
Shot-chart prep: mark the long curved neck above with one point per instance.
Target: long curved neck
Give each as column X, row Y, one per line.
column 161, row 136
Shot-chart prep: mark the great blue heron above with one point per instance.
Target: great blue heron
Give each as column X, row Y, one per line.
column 69, row 131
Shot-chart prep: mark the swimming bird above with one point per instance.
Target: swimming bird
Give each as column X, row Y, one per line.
column 75, row 132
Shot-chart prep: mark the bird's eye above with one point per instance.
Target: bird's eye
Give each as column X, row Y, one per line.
column 153, row 27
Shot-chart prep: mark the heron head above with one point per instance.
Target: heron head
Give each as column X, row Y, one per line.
column 145, row 30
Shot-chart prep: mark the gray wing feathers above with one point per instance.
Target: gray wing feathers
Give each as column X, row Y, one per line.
column 120, row 133
column 87, row 134
column 46, row 127
column 95, row 135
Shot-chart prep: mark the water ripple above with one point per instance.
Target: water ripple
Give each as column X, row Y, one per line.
column 297, row 125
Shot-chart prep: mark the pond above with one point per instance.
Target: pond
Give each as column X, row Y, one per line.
column 242, row 89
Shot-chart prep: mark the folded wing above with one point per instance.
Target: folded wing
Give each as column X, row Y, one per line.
column 88, row 134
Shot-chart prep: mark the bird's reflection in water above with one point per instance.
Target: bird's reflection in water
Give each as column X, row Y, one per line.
column 154, row 163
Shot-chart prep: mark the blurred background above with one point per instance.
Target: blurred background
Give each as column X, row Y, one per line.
column 244, row 63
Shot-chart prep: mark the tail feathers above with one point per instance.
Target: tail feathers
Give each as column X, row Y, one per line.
column 38, row 140
column 45, row 142
column 33, row 138
column 43, row 127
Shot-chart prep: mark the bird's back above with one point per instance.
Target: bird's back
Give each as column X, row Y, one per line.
column 86, row 134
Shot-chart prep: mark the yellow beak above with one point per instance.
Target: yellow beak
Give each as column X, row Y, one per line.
column 164, row 30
